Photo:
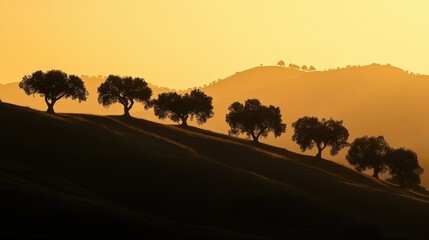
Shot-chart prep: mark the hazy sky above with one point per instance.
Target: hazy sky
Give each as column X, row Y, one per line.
column 185, row 43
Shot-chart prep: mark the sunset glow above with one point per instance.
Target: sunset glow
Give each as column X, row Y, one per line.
column 188, row 43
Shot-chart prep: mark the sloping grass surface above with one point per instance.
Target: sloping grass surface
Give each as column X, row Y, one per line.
column 69, row 175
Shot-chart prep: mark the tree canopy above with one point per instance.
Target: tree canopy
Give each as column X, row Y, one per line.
column 281, row 63
column 291, row 65
column 254, row 119
column 180, row 107
column 54, row 85
column 310, row 132
column 403, row 165
column 124, row 90
column 368, row 153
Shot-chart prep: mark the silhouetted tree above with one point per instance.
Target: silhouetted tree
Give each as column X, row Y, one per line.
column 291, row 65
column 281, row 63
column 403, row 165
column 410, row 184
column 254, row 119
column 180, row 107
column 124, row 90
column 312, row 68
column 54, row 85
column 368, row 153
column 304, row 68
column 310, row 132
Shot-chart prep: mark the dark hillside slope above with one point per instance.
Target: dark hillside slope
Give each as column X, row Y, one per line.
column 70, row 173
column 372, row 100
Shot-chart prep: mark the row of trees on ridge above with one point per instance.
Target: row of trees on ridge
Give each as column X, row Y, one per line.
column 281, row 63
column 251, row 118
column 366, row 153
column 55, row 85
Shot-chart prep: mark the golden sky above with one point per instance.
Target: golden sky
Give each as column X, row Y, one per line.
column 186, row 43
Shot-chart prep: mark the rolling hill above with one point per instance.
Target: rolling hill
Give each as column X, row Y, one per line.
column 372, row 100
column 74, row 175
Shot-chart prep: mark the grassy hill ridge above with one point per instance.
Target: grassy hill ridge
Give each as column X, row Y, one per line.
column 371, row 100
column 147, row 178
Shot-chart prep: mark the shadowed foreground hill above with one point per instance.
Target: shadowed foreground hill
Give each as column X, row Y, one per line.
column 69, row 174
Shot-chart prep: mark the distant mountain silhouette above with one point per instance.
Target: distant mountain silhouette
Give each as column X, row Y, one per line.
column 73, row 175
column 371, row 100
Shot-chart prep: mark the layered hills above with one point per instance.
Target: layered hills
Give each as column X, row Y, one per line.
column 371, row 100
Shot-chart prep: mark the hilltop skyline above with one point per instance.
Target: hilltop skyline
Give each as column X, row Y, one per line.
column 209, row 83
column 192, row 43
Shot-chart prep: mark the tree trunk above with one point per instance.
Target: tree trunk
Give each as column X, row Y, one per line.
column 184, row 121
column 319, row 153
column 375, row 174
column 255, row 138
column 126, row 111
column 320, row 149
column 128, row 104
column 50, row 105
column 50, row 109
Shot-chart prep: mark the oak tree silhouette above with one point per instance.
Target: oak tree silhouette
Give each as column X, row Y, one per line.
column 304, row 68
column 53, row 86
column 310, row 132
column 403, row 165
column 368, row 153
column 179, row 108
column 291, row 65
column 312, row 68
column 126, row 91
column 254, row 119
column 281, row 63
